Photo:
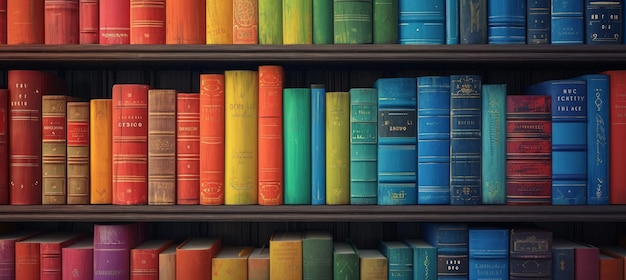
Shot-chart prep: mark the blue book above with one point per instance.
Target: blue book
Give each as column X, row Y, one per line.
column 493, row 144
column 603, row 21
column 396, row 140
column 424, row 259
column 363, row 125
column 488, row 253
column 530, row 253
column 567, row 22
column 473, row 22
column 507, row 22
column 538, row 22
column 452, row 22
column 597, row 138
column 451, row 241
column 563, row 259
column 318, row 144
column 433, row 139
column 569, row 139
column 421, row 22
column 399, row 259
column 465, row 139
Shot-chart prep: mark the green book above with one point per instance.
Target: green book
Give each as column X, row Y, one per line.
column 352, row 21
column 346, row 261
column 363, row 146
column 297, row 22
column 385, row 23
column 270, row 22
column 323, row 22
column 297, row 145
column 399, row 259
column 317, row 255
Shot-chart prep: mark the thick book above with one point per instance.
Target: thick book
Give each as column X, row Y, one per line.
column 567, row 24
column 7, row 251
column 563, row 259
column 385, row 21
column 78, row 152
column 488, row 253
column 147, row 22
column 603, row 22
column 100, row 147
column 399, row 259
column 317, row 255
column 297, row 22
column 451, row 241
column 424, row 259
column 611, row 267
column 187, row 148
column 185, row 22
column 286, row 255
column 318, row 144
column 88, row 21
column 111, row 249
column 245, row 22
column 473, row 27
column 241, row 130
column 167, row 263
column 465, row 139
column 25, row 22
column 452, row 22
column 61, row 22
column 345, row 261
column 352, row 21
column 530, row 253
column 617, row 134
column 259, row 264
column 433, row 139
column 338, row 147
column 574, row 260
column 372, row 265
column 4, row 146
column 77, row 260
column 494, row 144
column 231, row 263
column 538, row 19
column 421, row 22
column 162, row 146
column 506, row 22
column 193, row 257
column 114, row 22
column 144, row 259
column 212, row 139
column 54, row 149
column 363, row 145
column 297, row 145
column 270, row 21
column 614, row 251
column 270, row 180
column 220, row 21
column 129, row 119
column 322, row 22
column 39, row 257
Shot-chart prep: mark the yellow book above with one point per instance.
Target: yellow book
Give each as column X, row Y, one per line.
column 286, row 256
column 337, row 148
column 241, row 137
column 372, row 265
column 219, row 22
column 100, row 144
column 231, row 263
column 297, row 22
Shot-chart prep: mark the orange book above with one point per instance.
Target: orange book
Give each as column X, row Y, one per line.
column 245, row 22
column 188, row 148
column 618, row 252
column 611, row 267
column 78, row 152
column 114, row 22
column 212, row 100
column 144, row 259
column 194, row 257
column 185, row 22
column 100, row 171
column 219, row 21
column 259, row 264
column 147, row 21
column 270, row 135
column 61, row 22
column 25, row 22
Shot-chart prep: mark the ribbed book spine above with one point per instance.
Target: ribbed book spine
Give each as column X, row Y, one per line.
column 270, row 184
column 219, row 21
column 323, row 22
column 527, row 244
column 147, row 22
column 89, row 22
column 162, row 147
column 25, row 22
column 567, row 22
column 245, row 22
column 603, row 22
column 114, row 21
column 318, row 144
column 212, row 139
column 473, row 22
column 352, row 21
column 61, row 22
column 363, row 145
column 297, row 145
column 53, row 149
column 4, row 146
column 270, row 22
column 188, row 148
column 507, row 22
column 241, row 130
column 100, row 145
column 465, row 139
column 452, row 22
column 493, row 144
column 3, row 21
column 337, row 148
column 422, row 22
column 78, row 152
column 185, row 22
column 538, row 22
column 297, row 22
column 385, row 21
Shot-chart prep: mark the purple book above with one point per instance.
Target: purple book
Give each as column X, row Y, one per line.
column 111, row 249
column 7, row 252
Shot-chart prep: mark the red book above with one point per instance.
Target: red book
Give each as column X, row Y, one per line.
column 528, row 192
column 147, row 21
column 4, row 146
column 185, row 22
column 25, row 22
column 270, row 135
column 212, row 139
column 89, row 25
column 77, row 260
column 7, row 252
column 114, row 22
column 130, row 144
column 529, row 128
column 144, row 259
column 245, row 22
column 611, row 267
column 188, row 148
column 194, row 258
column 529, row 106
column 617, row 137
column 3, row 21
column 61, row 25
column 529, row 169
column 39, row 257
column 587, row 262
column 528, row 147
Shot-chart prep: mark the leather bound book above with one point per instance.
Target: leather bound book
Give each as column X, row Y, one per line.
column 114, row 19
column 3, row 21
column 4, row 146
column 212, row 139
column 100, row 171
column 185, row 22
column 162, row 147
column 194, row 257
column 144, row 259
column 41, row 255
column 89, row 21
column 147, row 21
column 188, row 148
column 54, row 145
column 7, row 251
column 245, row 22
column 77, row 260
column 78, row 152
column 219, row 21
column 61, row 25
column 25, row 22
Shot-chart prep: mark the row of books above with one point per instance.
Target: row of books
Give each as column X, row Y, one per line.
column 312, row 22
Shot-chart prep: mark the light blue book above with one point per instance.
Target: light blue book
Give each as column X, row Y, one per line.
column 494, row 144
column 318, row 144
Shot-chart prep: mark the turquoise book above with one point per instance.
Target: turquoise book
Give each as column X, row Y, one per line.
column 317, row 255
column 297, row 145
column 452, row 22
column 363, row 145
column 399, row 259
column 473, row 27
column 424, row 259
column 318, row 144
column 352, row 21
column 488, row 253
column 346, row 261
column 421, row 22
column 493, row 135
column 323, row 22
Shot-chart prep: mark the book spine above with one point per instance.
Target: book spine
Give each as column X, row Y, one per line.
column 195, row 264
column 220, row 21
column 363, row 145
column 167, row 264
column 100, row 151
column 188, row 148
column 399, row 259
column 345, row 264
column 144, row 263
column 3, row 21
column 538, row 21
column 465, row 140
column 212, row 139
column 422, row 22
column 130, row 144
column 451, row 241
column 494, row 144
column 603, row 22
column 452, row 22
column 162, row 147
column 259, row 264
column 540, row 129
column 245, row 22
column 323, row 22
column 385, row 21
column 473, row 22
column 563, row 263
column 61, row 22
column 77, row 263
column 78, row 152
column 230, row 268
column 4, row 146
column 25, row 22
column 424, row 263
column 27, row 261
column 297, row 22
column 241, row 130
column 114, row 22
column 317, row 255
column 352, row 21
column 185, row 22
column 53, row 149
column 89, row 22
column 271, row 22
column 530, row 247
column 507, row 22
column 147, row 22
column 488, row 253
column 297, row 145
column 567, row 22
column 51, row 257
column 270, row 184
column 337, row 148
column 318, row 144
column 111, row 251
column 617, row 134
column 286, row 259
column 587, row 262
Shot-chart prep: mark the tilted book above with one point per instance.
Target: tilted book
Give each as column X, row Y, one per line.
column 286, row 255
column 352, row 21
column 270, row 22
column 338, row 148
column 494, row 143
column 78, row 152
column 297, row 145
column 212, row 139
column 297, row 22
column 219, row 21
column 162, row 146
column 147, row 22
column 187, row 148
column 323, row 22
column 89, row 22
column 385, row 21
column 318, row 144
column 100, row 152
column 61, row 22
column 421, row 22
column 25, row 22
column 4, row 146
column 185, row 22
column 231, row 263
column 245, row 22
column 114, row 20
column 39, row 257
column 54, row 149
column 363, row 145
column 7, row 251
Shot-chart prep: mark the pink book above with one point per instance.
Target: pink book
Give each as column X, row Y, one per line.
column 77, row 260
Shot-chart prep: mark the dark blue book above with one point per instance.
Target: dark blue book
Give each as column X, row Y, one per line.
column 488, row 253
column 451, row 241
column 538, row 21
column 465, row 139
column 421, row 22
column 567, row 24
column 433, row 139
column 493, row 144
column 318, row 144
column 452, row 22
column 603, row 21
column 424, row 259
column 597, row 138
column 399, row 259
column 397, row 140
column 507, row 22
column 530, row 253
column 363, row 137
column 563, row 259
column 473, row 22
column 569, row 139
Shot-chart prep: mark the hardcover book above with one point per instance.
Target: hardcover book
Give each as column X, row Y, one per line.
column 4, row 146
column 297, row 22
column 488, row 253
column 111, row 249
column 220, row 21
column 611, row 267
column 538, row 19
column 100, row 147
column 424, row 259
column 297, row 145
column 147, row 22
column 563, row 259
column 530, row 253
column 318, row 144
column 451, row 241
column 270, row 22
column 185, row 22
column 399, row 259
column 473, row 27
column 270, row 182
column 78, row 152
column 507, row 22
column 617, row 134
column 337, row 148
column 54, row 149
column 77, row 260
column 3, row 22
column 372, row 265
column 603, row 22
column 7, row 251
column 317, row 255
column 187, row 148
column 212, row 139
column 574, row 260
column 259, row 264
column 89, row 22
column 352, row 21
column 286, row 255
column 452, row 22
column 617, row 252
column 494, row 144
column 421, row 22
column 114, row 22
column 144, row 259
column 363, row 145
column 162, row 146
column 39, row 257
column 567, row 24
column 385, row 21
column 245, row 22
column 25, row 22
column 167, row 263
column 231, row 263
column 346, row 261
column 194, row 256
column 61, row 22
column 322, row 22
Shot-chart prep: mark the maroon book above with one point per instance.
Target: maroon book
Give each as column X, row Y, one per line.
column 529, row 128
column 3, row 21
column 7, row 252
column 538, row 169
column 77, row 260
column 111, row 250
column 535, row 192
column 587, row 258
column 89, row 25
column 114, row 21
column 61, row 25
column 147, row 21
column 527, row 147
column 4, row 146
column 188, row 148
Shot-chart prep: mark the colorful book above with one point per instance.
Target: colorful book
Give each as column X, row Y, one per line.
column 77, row 260
column 317, row 255
column 61, row 22
column 167, row 263
column 78, row 152
column 352, row 21
column 603, row 22
column 270, row 22
column 297, row 22
column 187, row 148
column 538, row 19
column 322, row 22
column 194, row 256
column 297, row 145
column 54, row 149
column 162, row 146
column 4, row 146
column 114, row 22
column 507, row 22
column 346, row 261
column 318, row 144
column 231, row 263
column 452, row 22
column 101, row 168
column 617, row 134
column 451, row 241
column 147, row 22
column 385, row 21
column 424, row 259
column 567, row 24
column 363, row 145
column 111, row 249
column 39, row 257
column 421, row 22
column 372, row 265
column 144, row 259
column 530, row 253
column 488, row 253
column 338, row 148
column 212, row 139
column 286, row 255
column 7, row 251
column 220, row 21
column 399, row 259
column 259, row 264
column 473, row 27
column 89, row 22
column 25, row 22
column 245, row 22
column 185, row 22
column 494, row 143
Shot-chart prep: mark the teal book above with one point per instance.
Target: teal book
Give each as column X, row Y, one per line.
column 297, row 145
column 424, row 259
column 452, row 22
column 494, row 143
column 385, row 22
column 352, row 21
column 323, row 22
column 399, row 259
column 317, row 255
column 346, row 261
column 363, row 146
column 318, row 144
